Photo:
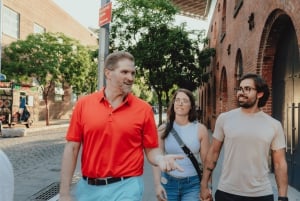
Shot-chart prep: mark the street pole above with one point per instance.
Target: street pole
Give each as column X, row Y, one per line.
column 1, row 15
column 103, row 49
column 2, row 76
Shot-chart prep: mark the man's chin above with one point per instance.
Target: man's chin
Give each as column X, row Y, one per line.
column 127, row 91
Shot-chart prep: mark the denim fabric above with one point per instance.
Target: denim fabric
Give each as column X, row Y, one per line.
column 130, row 189
column 181, row 189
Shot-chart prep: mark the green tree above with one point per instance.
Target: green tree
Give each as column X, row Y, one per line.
column 49, row 58
column 165, row 55
column 133, row 18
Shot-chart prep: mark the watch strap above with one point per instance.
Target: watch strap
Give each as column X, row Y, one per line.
column 283, row 198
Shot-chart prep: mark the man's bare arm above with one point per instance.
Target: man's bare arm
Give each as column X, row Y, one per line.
column 209, row 165
column 69, row 160
column 280, row 171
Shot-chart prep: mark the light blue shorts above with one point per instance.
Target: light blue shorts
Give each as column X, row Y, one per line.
column 130, row 189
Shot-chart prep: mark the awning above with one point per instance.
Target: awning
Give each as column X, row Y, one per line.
column 193, row 8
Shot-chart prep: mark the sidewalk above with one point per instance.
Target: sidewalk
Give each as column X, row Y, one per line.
column 41, row 125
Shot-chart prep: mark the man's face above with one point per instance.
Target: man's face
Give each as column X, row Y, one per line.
column 122, row 77
column 247, row 94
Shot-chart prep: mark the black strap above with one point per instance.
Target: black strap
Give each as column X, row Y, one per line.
column 188, row 152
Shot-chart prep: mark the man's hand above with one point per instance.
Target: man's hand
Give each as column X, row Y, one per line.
column 65, row 198
column 205, row 194
column 161, row 194
column 168, row 163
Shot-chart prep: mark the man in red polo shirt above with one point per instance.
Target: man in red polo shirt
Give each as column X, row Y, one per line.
column 114, row 127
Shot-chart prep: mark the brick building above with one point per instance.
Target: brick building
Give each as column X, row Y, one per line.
column 261, row 37
column 21, row 18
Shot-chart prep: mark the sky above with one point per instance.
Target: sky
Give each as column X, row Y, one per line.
column 86, row 13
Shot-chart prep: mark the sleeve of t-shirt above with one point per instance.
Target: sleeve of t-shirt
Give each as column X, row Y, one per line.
column 219, row 128
column 279, row 139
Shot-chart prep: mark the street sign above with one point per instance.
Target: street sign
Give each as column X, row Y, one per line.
column 2, row 77
column 105, row 14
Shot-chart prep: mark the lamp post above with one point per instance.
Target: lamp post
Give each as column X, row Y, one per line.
column 103, row 46
column 2, row 76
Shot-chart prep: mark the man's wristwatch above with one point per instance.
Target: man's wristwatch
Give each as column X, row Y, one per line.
column 281, row 198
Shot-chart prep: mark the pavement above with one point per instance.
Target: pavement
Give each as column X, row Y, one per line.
column 35, row 173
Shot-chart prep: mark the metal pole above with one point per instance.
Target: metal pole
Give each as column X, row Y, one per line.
column 103, row 49
column 2, row 76
column 1, row 15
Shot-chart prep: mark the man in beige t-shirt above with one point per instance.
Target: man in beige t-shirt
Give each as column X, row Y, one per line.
column 248, row 134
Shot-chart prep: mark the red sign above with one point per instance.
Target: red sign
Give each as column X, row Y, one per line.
column 105, row 14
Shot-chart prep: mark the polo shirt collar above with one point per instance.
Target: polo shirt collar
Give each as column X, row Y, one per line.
column 128, row 98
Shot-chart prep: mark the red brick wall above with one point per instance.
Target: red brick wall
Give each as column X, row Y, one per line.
column 252, row 43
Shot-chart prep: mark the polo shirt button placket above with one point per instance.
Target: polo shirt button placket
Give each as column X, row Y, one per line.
column 110, row 117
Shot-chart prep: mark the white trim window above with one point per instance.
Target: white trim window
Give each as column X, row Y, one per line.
column 11, row 22
column 58, row 92
column 38, row 29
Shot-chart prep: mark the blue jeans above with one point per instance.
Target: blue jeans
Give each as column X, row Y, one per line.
column 130, row 189
column 181, row 189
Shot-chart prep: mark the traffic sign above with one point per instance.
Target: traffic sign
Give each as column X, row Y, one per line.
column 2, row 77
column 105, row 14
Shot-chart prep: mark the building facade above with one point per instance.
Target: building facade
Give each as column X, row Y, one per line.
column 260, row 37
column 21, row 18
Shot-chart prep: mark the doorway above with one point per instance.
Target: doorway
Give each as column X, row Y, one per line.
column 286, row 95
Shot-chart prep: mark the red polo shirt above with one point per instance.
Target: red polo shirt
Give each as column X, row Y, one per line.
column 112, row 139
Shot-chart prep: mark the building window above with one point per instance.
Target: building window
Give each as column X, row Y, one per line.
column 58, row 98
column 58, row 92
column 38, row 29
column 223, row 29
column 237, row 7
column 11, row 22
column 40, row 93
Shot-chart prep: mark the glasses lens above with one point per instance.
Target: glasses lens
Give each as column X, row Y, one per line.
column 183, row 101
column 245, row 89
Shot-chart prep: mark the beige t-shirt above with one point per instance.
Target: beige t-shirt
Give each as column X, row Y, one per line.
column 248, row 139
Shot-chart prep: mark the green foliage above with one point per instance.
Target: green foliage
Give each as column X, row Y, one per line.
column 49, row 58
column 132, row 18
column 166, row 56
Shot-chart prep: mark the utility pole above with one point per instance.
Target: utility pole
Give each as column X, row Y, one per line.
column 104, row 20
column 2, row 76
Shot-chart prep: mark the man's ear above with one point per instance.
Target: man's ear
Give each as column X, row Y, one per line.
column 260, row 94
column 106, row 73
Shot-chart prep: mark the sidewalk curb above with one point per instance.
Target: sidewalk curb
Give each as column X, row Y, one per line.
column 31, row 130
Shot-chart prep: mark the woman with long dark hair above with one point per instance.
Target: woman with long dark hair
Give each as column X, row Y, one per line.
column 181, row 117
